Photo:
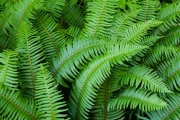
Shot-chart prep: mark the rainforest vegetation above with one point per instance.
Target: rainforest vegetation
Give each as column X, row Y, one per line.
column 89, row 60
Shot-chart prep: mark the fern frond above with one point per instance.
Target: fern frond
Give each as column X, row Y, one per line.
column 55, row 7
column 171, row 112
column 159, row 53
column 8, row 69
column 122, row 21
column 30, row 55
column 51, row 40
column 73, row 15
column 14, row 107
column 24, row 14
column 170, row 71
column 47, row 96
column 76, row 54
column 171, row 36
column 99, row 17
column 169, row 15
column 143, row 77
column 148, row 11
column 84, row 89
column 137, row 32
column 100, row 108
column 131, row 97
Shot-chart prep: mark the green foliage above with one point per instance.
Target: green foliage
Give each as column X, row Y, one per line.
column 89, row 59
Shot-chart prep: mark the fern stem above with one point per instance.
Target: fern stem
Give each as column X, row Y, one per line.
column 106, row 100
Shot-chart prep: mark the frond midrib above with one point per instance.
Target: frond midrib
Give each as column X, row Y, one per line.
column 74, row 54
column 49, row 34
column 17, row 106
column 6, row 65
column 164, row 118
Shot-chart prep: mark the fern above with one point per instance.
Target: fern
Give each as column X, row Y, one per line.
column 171, row 112
column 20, row 108
column 8, row 69
column 130, row 97
column 143, row 77
column 48, row 97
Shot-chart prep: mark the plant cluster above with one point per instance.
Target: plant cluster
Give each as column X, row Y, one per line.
column 89, row 59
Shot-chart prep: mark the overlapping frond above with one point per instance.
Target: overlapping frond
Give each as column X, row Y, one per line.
column 23, row 14
column 100, row 108
column 171, row 112
column 51, row 40
column 14, row 107
column 48, row 98
column 170, row 17
column 171, row 36
column 99, row 17
column 170, row 71
column 137, row 32
column 132, row 97
column 76, row 54
column 122, row 21
column 143, row 77
column 159, row 53
column 84, row 89
column 148, row 11
column 73, row 15
column 55, row 7
column 8, row 69
column 30, row 55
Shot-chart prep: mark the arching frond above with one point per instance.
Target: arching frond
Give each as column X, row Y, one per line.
column 170, row 17
column 73, row 15
column 137, row 32
column 47, row 96
column 99, row 17
column 170, row 71
column 171, row 36
column 51, row 40
column 148, row 11
column 122, row 21
column 14, row 107
column 131, row 97
column 76, row 54
column 100, row 108
column 30, row 55
column 143, row 77
column 159, row 53
column 8, row 69
column 55, row 7
column 171, row 112
column 84, row 89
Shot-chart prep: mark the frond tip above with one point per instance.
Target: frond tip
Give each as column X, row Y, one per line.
column 130, row 97
column 47, row 96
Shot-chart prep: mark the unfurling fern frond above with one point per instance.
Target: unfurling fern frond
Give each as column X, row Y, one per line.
column 143, row 77
column 132, row 97
column 171, row 112
column 30, row 55
column 14, row 107
column 84, row 89
column 47, row 96
column 8, row 69
column 99, row 17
